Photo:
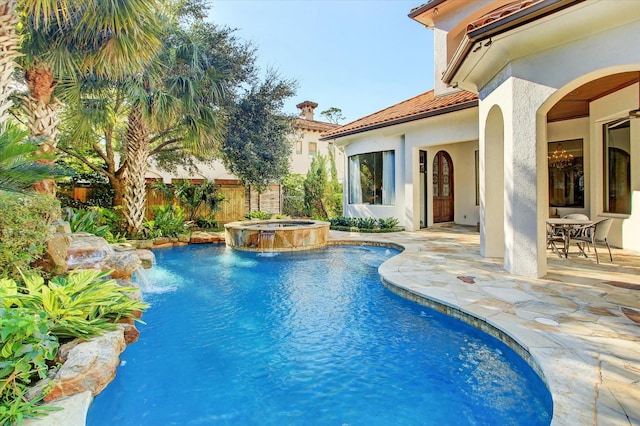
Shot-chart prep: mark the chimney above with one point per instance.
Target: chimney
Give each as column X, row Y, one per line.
column 306, row 109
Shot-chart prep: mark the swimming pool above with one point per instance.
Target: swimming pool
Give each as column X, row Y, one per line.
column 307, row 338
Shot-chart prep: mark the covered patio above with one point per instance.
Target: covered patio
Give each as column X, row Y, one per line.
column 578, row 326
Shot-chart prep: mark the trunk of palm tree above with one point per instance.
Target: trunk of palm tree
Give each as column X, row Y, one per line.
column 41, row 110
column 9, row 44
column 137, row 149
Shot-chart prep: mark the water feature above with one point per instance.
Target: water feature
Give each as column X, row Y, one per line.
column 308, row 337
column 281, row 234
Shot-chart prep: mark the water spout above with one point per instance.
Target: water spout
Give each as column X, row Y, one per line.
column 267, row 236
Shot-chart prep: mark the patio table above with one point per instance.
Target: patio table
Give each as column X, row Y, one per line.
column 564, row 226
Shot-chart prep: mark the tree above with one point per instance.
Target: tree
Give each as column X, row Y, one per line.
column 256, row 147
column 333, row 115
column 9, row 45
column 64, row 39
column 315, row 186
column 94, row 127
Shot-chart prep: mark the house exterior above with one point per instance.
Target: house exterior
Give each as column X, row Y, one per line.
column 535, row 106
column 307, row 143
column 238, row 199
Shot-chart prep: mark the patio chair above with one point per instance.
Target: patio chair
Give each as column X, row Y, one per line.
column 593, row 234
column 555, row 235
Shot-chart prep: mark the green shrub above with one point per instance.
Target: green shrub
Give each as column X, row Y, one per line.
column 365, row 223
column 84, row 304
column 169, row 221
column 24, row 229
column 293, row 195
column 388, row 223
column 208, row 222
column 27, row 345
column 258, row 215
column 99, row 221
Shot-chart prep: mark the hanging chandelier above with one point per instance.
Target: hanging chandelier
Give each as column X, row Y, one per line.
column 560, row 158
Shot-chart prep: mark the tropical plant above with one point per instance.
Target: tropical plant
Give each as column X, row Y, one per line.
column 99, row 221
column 85, row 37
column 27, row 345
column 169, row 221
column 9, row 45
column 24, row 229
column 84, row 304
column 366, row 222
column 197, row 198
column 93, row 128
column 20, row 161
column 257, row 214
column 388, row 222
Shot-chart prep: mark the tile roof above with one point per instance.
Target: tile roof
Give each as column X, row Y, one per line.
column 313, row 125
column 421, row 106
column 501, row 12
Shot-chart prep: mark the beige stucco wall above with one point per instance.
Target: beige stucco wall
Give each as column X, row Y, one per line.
column 300, row 163
column 456, row 133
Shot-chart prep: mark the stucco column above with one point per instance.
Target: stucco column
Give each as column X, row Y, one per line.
column 525, row 169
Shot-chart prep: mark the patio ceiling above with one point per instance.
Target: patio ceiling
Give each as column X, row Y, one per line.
column 576, row 103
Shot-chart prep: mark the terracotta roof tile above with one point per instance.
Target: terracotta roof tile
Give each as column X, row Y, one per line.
column 421, row 106
column 500, row 13
column 320, row 126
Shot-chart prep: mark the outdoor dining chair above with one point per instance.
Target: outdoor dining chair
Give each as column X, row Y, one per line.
column 593, row 234
column 554, row 236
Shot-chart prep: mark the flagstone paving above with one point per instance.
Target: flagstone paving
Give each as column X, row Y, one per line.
column 579, row 326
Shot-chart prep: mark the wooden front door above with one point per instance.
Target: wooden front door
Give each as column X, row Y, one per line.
column 442, row 188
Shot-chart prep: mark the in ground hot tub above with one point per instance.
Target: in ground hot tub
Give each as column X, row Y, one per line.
column 277, row 235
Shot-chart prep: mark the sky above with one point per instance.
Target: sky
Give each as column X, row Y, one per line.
column 359, row 56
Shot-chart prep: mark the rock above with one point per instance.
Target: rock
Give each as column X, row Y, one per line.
column 87, row 251
column 141, row 244
column 161, row 240
column 73, row 413
column 54, row 259
column 134, row 295
column 184, row 238
column 146, row 257
column 123, row 264
column 122, row 246
column 90, row 366
column 60, row 226
column 131, row 333
column 165, row 245
column 201, row 237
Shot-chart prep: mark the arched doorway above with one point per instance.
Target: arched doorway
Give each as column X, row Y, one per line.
column 443, row 199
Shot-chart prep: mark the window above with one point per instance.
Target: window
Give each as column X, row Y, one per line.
column 566, row 173
column 372, row 178
column 313, row 149
column 617, row 166
column 299, row 146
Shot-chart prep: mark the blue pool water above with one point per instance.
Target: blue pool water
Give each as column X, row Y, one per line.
column 307, row 338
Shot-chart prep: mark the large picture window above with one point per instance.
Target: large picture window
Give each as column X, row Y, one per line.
column 566, row 173
column 372, row 178
column 617, row 166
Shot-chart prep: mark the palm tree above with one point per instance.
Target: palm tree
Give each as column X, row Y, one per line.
column 83, row 37
column 19, row 164
column 173, row 106
column 9, row 45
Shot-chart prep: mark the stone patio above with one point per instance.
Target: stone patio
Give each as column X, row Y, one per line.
column 579, row 326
